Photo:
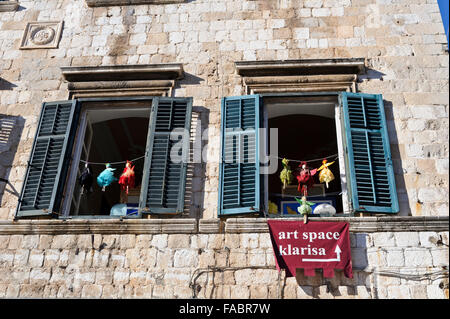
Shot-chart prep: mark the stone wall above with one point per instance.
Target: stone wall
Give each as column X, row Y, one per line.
column 114, row 261
column 403, row 41
column 406, row 52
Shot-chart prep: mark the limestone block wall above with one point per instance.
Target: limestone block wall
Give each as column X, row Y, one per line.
column 403, row 41
column 37, row 264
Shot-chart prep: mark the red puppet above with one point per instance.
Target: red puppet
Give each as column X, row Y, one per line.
column 305, row 178
column 126, row 180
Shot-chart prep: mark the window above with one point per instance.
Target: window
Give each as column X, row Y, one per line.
column 72, row 132
column 354, row 125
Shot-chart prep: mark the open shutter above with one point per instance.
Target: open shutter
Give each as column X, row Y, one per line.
column 239, row 179
column 164, row 176
column 49, row 159
column 369, row 163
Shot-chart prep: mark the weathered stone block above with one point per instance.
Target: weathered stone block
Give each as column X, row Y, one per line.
column 121, row 276
column 265, row 276
column 39, row 276
column 91, row 291
column 395, row 257
column 29, row 241
column 160, row 241
column 239, row 292
column 428, row 239
column 440, row 257
column 416, row 257
column 51, row 257
column 383, row 239
column 185, row 258
column 64, row 241
column 21, row 257
column 407, row 239
column 178, row 241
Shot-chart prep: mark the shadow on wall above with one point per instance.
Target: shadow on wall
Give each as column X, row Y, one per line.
column 5, row 85
column 189, row 79
column 405, row 209
column 196, row 168
column 403, row 199
column 11, row 128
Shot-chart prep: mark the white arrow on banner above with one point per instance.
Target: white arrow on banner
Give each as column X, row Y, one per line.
column 338, row 258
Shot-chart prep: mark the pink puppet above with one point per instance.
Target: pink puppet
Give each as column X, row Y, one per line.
column 305, row 178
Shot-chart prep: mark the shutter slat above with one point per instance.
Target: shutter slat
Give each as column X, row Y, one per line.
column 372, row 181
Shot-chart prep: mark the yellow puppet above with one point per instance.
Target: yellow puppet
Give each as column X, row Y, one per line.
column 325, row 175
column 286, row 174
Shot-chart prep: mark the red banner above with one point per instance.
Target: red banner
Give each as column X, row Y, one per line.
column 309, row 246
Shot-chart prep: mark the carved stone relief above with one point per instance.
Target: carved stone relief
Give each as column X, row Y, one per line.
column 41, row 35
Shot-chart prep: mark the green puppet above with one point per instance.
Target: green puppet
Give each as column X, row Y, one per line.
column 286, row 174
column 305, row 208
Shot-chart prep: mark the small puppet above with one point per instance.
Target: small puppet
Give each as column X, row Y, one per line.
column 86, row 179
column 304, row 208
column 273, row 208
column 106, row 177
column 325, row 175
column 286, row 174
column 126, row 180
column 305, row 178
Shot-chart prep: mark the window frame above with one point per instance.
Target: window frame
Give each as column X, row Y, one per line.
column 346, row 203
column 73, row 142
column 385, row 186
column 69, row 183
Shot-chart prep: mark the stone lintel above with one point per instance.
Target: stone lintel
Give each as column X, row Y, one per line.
column 122, row 80
column 193, row 226
column 103, row 3
column 121, row 88
column 298, row 76
column 300, row 67
column 168, row 71
column 8, row 6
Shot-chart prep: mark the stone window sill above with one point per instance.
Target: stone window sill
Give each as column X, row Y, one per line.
column 8, row 6
column 212, row 226
column 106, row 3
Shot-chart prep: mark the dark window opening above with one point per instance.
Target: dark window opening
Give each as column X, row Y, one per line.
column 111, row 141
column 305, row 137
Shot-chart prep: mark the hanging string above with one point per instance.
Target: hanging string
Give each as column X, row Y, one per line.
column 309, row 196
column 334, row 156
column 112, row 163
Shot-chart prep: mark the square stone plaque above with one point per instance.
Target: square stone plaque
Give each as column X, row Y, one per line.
column 41, row 35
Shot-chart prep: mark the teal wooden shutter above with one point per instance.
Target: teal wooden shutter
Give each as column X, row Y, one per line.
column 164, row 178
column 239, row 179
column 369, row 164
column 49, row 160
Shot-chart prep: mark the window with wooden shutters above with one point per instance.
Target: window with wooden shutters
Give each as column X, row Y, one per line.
column 369, row 163
column 164, row 176
column 239, row 168
column 48, row 164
